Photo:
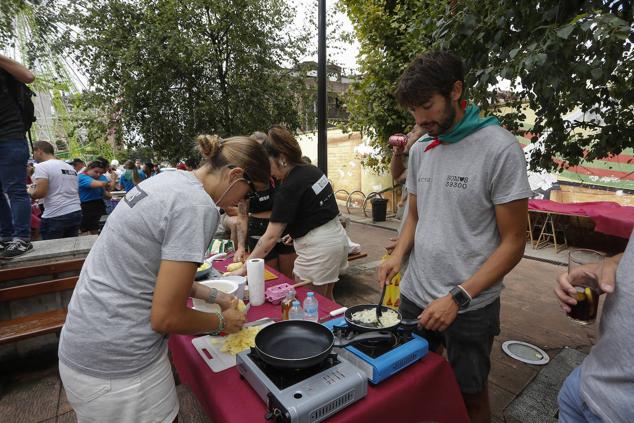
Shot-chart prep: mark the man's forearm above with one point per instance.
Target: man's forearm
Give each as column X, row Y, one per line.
column 503, row 259
column 16, row 70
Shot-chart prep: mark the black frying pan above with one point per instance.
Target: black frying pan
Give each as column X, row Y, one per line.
column 299, row 344
column 408, row 323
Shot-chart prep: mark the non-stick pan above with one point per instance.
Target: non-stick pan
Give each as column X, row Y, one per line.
column 299, row 344
column 407, row 323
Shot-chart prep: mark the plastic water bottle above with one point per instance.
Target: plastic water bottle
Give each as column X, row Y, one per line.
column 296, row 312
column 311, row 307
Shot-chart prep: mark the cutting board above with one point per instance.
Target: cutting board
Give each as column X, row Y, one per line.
column 209, row 349
column 211, row 354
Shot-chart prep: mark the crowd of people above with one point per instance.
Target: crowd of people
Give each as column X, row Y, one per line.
column 463, row 230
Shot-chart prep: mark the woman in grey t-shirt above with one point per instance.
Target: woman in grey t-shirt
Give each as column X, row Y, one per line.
column 134, row 285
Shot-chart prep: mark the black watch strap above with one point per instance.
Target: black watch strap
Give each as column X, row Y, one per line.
column 461, row 297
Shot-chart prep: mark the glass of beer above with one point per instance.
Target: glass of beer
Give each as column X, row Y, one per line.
column 586, row 286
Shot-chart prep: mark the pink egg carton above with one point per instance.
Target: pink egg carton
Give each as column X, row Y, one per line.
column 277, row 293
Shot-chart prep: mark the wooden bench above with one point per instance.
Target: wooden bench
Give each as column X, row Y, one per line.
column 357, row 256
column 38, row 323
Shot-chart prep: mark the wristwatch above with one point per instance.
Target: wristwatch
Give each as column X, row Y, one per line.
column 461, row 297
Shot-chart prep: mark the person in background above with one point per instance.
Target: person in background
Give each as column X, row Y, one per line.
column 183, row 166
column 138, row 164
column 93, row 188
column 398, row 169
column 130, row 176
column 56, row 183
column 306, row 209
column 191, row 163
column 148, row 169
column 466, row 225
column 78, row 164
column 252, row 221
column 601, row 389
column 15, row 204
column 120, row 316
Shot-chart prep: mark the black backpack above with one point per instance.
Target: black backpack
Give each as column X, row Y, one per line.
column 23, row 97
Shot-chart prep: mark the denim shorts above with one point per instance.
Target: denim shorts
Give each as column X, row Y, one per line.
column 468, row 340
column 66, row 226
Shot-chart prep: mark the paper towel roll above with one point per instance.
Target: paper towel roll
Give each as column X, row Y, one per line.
column 255, row 276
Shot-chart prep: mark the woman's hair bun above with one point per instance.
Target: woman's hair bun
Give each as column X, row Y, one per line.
column 209, row 145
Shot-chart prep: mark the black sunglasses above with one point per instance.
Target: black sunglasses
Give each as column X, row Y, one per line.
column 253, row 192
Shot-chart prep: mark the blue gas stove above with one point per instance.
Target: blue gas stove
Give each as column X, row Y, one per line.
column 380, row 360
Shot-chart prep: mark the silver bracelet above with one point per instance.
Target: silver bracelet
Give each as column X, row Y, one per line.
column 213, row 294
column 221, row 324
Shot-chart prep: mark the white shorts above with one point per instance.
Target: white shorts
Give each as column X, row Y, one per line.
column 149, row 396
column 322, row 254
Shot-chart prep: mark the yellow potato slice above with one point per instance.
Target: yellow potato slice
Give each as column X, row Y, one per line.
column 234, row 266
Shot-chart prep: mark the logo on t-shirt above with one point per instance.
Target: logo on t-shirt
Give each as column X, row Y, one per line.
column 134, row 196
column 70, row 172
column 320, row 184
column 459, row 182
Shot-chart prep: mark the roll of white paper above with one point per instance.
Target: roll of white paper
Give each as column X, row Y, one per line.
column 255, row 277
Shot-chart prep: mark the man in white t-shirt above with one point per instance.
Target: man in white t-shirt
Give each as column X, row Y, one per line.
column 56, row 183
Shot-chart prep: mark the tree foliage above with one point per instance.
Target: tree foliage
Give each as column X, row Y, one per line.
column 560, row 55
column 168, row 70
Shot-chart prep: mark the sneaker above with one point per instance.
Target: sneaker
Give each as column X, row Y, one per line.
column 15, row 248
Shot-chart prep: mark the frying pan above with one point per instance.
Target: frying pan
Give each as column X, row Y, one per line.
column 299, row 344
column 366, row 328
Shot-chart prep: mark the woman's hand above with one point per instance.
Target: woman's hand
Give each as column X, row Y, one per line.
column 242, row 271
column 225, row 300
column 234, row 319
column 239, row 256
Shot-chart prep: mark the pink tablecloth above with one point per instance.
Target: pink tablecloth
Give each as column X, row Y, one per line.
column 610, row 218
column 425, row 391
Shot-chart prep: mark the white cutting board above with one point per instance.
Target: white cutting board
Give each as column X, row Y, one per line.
column 211, row 354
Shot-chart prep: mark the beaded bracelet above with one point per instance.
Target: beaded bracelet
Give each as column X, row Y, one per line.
column 221, row 324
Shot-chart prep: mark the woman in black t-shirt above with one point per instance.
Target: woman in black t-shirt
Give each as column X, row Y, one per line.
column 305, row 208
column 253, row 219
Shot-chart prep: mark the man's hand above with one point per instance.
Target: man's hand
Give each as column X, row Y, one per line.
column 224, row 300
column 388, row 269
column 391, row 245
column 440, row 314
column 604, row 272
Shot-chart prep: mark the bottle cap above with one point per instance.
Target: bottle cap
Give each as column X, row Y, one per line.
column 296, row 303
column 310, row 294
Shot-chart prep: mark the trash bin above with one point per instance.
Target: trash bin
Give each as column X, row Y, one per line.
column 379, row 209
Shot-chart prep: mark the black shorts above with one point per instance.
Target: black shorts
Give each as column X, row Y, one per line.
column 468, row 340
column 91, row 213
column 257, row 227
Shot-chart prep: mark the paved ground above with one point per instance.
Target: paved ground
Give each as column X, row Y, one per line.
column 32, row 391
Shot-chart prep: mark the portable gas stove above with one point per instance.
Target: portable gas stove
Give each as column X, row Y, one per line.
column 380, row 360
column 304, row 396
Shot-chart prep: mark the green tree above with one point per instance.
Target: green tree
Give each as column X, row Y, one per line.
column 561, row 56
column 170, row 69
